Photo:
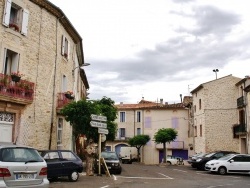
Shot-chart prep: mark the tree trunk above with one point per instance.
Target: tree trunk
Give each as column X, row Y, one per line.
column 164, row 153
column 89, row 154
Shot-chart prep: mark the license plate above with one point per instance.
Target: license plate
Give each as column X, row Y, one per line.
column 25, row 176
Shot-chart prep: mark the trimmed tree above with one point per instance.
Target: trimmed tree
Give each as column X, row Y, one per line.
column 138, row 141
column 165, row 135
column 78, row 113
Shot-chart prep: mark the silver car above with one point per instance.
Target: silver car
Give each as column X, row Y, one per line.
column 21, row 167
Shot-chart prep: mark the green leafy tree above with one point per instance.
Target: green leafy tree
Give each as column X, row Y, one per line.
column 163, row 136
column 138, row 141
column 78, row 113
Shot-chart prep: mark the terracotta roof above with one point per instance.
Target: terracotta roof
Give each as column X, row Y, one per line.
column 143, row 104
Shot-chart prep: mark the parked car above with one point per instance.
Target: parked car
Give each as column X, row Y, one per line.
column 193, row 159
column 62, row 163
column 231, row 163
column 113, row 163
column 21, row 166
column 201, row 161
column 172, row 160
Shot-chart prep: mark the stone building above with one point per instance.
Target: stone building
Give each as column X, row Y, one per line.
column 147, row 118
column 214, row 114
column 242, row 127
column 38, row 41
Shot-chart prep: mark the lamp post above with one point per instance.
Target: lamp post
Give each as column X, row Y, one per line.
column 80, row 67
column 216, row 70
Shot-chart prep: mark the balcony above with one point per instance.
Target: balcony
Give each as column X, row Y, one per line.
column 239, row 129
column 240, row 102
column 21, row 92
column 62, row 100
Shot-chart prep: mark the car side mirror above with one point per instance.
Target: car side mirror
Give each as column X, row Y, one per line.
column 231, row 160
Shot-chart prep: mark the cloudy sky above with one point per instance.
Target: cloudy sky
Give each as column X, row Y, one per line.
column 159, row 49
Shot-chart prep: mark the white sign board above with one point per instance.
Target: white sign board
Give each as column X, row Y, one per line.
column 98, row 118
column 98, row 124
column 103, row 131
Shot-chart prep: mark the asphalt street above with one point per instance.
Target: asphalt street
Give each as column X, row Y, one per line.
column 148, row 176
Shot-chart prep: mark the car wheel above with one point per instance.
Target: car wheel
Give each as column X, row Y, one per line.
column 169, row 163
column 74, row 176
column 222, row 170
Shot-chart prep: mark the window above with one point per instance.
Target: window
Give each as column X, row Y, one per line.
column 138, row 116
column 11, row 61
column 15, row 17
column 65, row 47
column 199, row 103
column 64, row 83
column 195, row 131
column 68, row 155
column 200, row 130
column 59, row 131
column 122, row 132
column 138, row 131
column 122, row 116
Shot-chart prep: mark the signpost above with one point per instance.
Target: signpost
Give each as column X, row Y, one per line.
column 97, row 121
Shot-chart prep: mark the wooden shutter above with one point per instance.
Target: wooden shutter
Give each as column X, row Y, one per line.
column 68, row 49
column 6, row 16
column 63, row 44
column 25, row 22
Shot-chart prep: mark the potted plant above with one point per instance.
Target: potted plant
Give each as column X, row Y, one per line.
column 65, row 55
column 14, row 26
column 69, row 94
column 16, row 76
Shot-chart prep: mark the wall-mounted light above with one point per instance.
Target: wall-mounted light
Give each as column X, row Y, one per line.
column 80, row 67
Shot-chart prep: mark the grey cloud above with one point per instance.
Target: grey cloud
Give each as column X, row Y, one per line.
column 211, row 20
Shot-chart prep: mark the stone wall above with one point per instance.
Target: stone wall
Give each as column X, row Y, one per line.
column 41, row 62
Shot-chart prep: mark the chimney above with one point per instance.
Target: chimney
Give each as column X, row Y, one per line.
column 181, row 97
column 161, row 101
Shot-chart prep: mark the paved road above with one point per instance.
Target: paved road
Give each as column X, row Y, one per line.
column 154, row 176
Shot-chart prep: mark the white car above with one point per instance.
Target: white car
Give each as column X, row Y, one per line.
column 22, row 167
column 171, row 160
column 231, row 163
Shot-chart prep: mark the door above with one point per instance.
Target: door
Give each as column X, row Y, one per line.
column 6, row 132
column 180, row 153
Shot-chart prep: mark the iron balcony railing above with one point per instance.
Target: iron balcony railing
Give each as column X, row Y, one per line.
column 239, row 129
column 21, row 91
column 240, row 102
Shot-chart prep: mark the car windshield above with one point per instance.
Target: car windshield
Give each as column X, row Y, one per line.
column 226, row 157
column 209, row 154
column 20, row 154
column 109, row 156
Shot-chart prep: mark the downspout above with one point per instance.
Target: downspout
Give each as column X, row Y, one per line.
column 134, row 122
column 53, row 93
column 246, row 106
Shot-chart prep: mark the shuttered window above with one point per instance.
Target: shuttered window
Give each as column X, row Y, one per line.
column 15, row 17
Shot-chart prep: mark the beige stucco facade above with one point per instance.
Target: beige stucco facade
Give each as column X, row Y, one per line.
column 214, row 114
column 153, row 116
column 47, row 52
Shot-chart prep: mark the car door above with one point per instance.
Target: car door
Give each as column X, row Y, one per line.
column 53, row 163
column 68, row 162
column 236, row 164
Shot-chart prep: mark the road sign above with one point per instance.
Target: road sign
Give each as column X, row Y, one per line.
column 98, row 124
column 103, row 131
column 98, row 118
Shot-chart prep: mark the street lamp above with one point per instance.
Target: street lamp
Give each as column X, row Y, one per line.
column 216, row 70
column 80, row 67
